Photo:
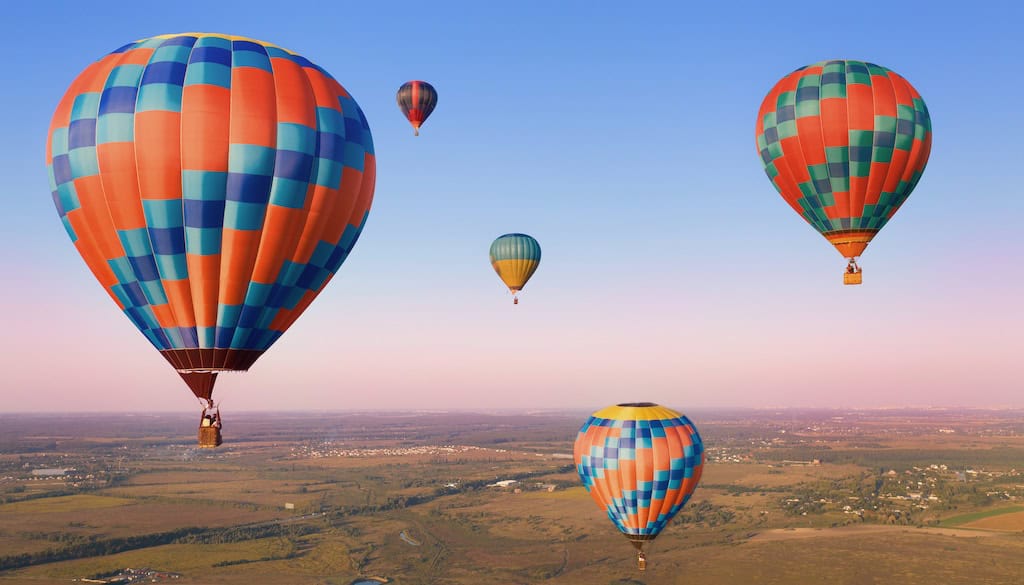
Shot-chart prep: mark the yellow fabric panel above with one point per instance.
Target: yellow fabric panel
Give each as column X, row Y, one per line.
column 515, row 273
column 656, row 412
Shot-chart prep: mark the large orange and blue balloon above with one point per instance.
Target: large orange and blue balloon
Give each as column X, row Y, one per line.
column 845, row 143
column 515, row 258
column 213, row 184
column 417, row 100
column 641, row 463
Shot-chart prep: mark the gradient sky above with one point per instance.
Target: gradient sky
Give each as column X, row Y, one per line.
column 623, row 140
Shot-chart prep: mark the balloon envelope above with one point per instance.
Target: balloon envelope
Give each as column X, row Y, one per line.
column 213, row 184
column 844, row 143
column 417, row 100
column 640, row 462
column 515, row 257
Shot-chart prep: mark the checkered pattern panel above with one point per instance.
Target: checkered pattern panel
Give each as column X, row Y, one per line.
column 213, row 184
column 844, row 143
column 641, row 472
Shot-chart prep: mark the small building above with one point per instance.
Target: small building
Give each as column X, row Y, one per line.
column 51, row 472
column 289, row 506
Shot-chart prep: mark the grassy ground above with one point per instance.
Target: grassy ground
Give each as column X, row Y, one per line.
column 488, row 535
column 1009, row 518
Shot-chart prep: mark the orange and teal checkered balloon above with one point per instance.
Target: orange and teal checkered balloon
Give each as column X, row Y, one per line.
column 641, row 463
column 845, row 143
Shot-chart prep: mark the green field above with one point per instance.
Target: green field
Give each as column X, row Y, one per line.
column 64, row 504
column 962, row 519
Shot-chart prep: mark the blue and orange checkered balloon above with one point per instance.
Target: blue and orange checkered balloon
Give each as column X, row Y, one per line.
column 641, row 463
column 213, row 184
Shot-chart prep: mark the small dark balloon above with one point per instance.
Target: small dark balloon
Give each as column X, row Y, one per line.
column 417, row 100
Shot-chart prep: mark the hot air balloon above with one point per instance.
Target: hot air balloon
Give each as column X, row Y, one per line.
column 417, row 100
column 640, row 462
column 515, row 258
column 213, row 184
column 844, row 142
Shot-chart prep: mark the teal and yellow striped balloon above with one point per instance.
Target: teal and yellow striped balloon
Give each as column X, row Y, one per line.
column 515, row 258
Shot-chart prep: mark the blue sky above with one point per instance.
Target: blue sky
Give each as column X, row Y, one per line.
column 622, row 138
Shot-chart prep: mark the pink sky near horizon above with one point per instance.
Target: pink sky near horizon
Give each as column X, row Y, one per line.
column 745, row 343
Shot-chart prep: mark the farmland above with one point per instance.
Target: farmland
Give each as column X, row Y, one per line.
column 787, row 497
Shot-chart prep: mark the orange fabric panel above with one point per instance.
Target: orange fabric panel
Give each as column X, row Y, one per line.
column 97, row 217
column 811, row 142
column 179, row 296
column 902, row 91
column 344, row 212
column 366, row 187
column 861, row 105
column 164, row 315
column 206, row 111
column 858, row 192
column 253, row 107
column 321, row 202
column 295, row 101
column 91, row 253
column 239, row 250
column 793, row 156
column 896, row 169
column 281, row 229
column 137, row 56
column 835, row 131
column 204, row 279
column 876, row 178
column 885, row 96
column 325, row 95
column 918, row 151
column 121, row 184
column 158, row 154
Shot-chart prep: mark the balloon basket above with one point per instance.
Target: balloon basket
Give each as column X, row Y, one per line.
column 852, row 277
column 209, row 437
column 641, row 561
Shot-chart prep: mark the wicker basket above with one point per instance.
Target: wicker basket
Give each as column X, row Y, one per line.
column 851, row 278
column 209, row 437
